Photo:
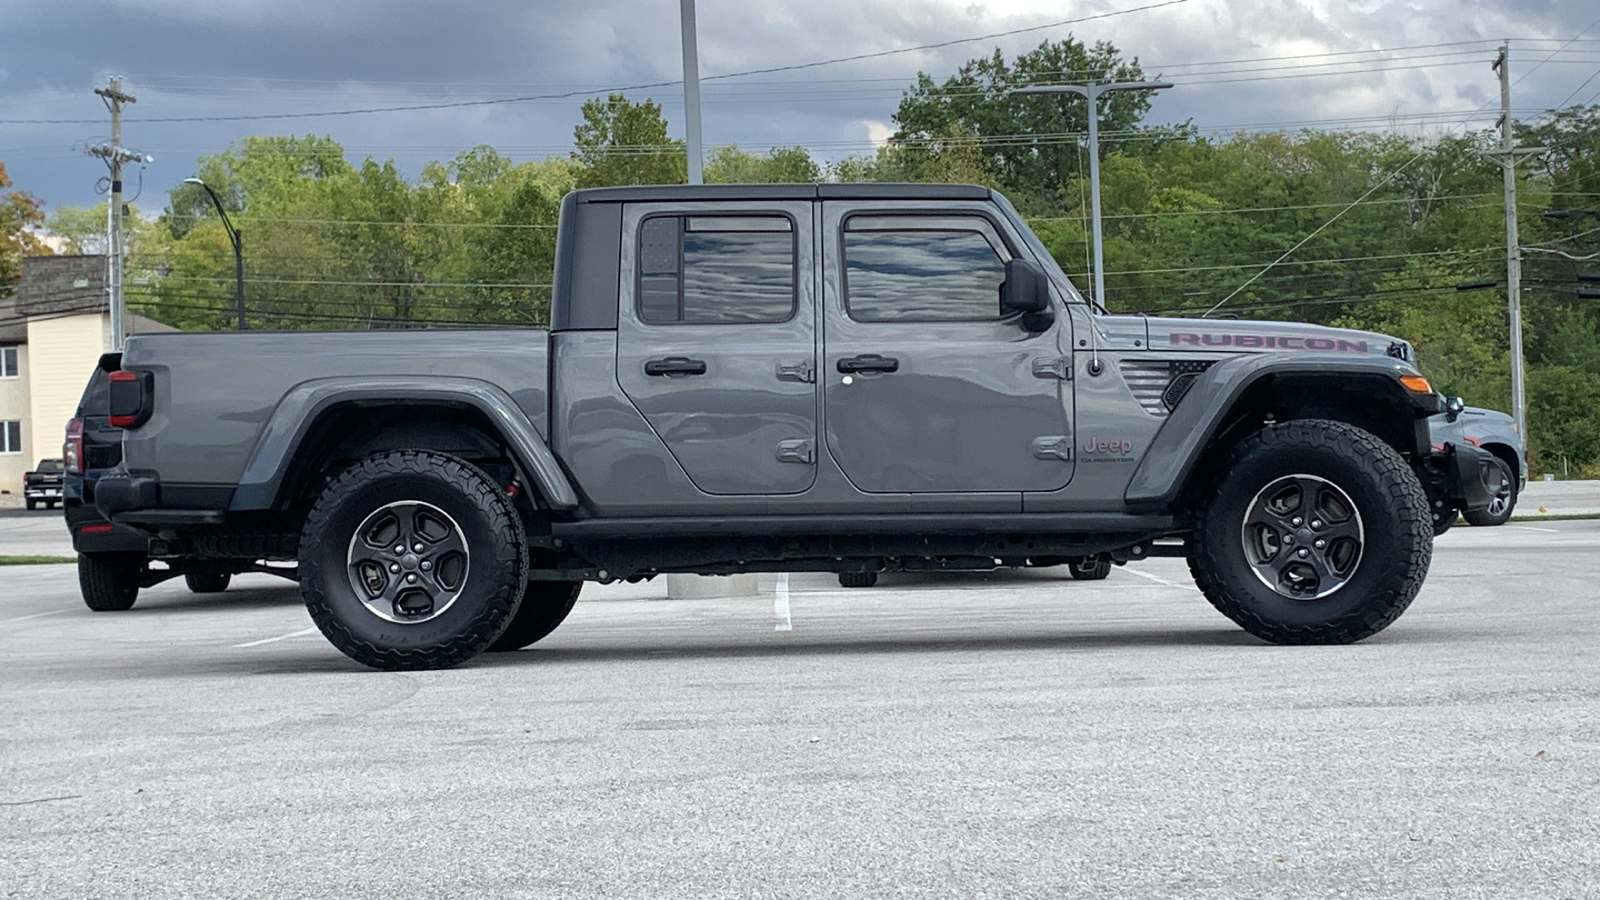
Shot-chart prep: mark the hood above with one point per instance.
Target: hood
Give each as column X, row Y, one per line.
column 1257, row 336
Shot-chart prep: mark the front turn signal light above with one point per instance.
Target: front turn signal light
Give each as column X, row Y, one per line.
column 1416, row 383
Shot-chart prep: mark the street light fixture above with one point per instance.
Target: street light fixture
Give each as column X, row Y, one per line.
column 1091, row 92
column 238, row 249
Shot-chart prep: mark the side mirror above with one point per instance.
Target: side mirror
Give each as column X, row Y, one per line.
column 1026, row 291
column 1453, row 407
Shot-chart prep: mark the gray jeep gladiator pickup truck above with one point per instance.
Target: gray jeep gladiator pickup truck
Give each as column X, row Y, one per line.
column 842, row 378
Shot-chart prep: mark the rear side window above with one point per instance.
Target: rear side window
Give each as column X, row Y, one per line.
column 96, row 399
column 707, row 270
column 910, row 269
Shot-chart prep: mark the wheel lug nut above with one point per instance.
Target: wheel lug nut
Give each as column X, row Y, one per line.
column 1320, row 544
column 417, row 546
column 400, row 549
column 412, row 579
column 1296, row 521
column 394, row 567
column 1315, row 524
column 426, row 566
column 1303, row 552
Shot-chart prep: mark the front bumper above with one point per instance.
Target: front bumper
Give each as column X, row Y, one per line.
column 1461, row 477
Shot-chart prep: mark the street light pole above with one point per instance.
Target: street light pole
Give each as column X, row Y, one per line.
column 691, row 91
column 235, row 238
column 1091, row 93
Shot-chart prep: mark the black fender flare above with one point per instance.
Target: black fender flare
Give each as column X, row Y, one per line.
column 269, row 464
column 1184, row 437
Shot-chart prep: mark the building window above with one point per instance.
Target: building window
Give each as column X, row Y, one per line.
column 710, row 270
column 8, row 362
column 11, row 436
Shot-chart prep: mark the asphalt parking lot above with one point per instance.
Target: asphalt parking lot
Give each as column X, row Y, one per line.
column 1005, row 735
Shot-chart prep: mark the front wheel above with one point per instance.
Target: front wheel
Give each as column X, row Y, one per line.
column 207, row 582
column 545, row 605
column 1319, row 533
column 412, row 560
column 1498, row 512
column 1091, row 568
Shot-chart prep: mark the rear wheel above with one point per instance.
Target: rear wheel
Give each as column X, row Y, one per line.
column 1319, row 533
column 412, row 560
column 545, row 605
column 109, row 582
column 858, row 579
column 32, row 504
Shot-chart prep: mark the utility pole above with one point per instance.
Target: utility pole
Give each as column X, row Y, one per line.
column 115, row 155
column 691, row 90
column 1091, row 93
column 1508, row 158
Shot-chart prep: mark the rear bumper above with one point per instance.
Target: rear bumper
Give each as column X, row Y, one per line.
column 91, row 533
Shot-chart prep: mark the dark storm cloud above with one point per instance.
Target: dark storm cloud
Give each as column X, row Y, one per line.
column 207, row 58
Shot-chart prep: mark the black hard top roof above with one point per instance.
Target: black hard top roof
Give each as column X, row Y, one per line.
column 853, row 191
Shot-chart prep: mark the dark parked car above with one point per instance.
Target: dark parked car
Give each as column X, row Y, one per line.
column 43, row 484
column 93, row 446
column 1497, row 433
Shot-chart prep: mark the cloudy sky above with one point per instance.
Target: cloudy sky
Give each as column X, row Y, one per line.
column 208, row 72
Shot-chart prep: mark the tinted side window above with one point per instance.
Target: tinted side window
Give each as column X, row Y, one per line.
column 921, row 274
column 716, row 269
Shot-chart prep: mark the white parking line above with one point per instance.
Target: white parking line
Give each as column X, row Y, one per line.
column 282, row 637
column 54, row 612
column 780, row 604
column 1131, row 571
column 1536, row 528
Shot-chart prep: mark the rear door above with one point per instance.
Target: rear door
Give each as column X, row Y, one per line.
column 716, row 340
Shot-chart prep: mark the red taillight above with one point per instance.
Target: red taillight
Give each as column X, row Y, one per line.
column 95, row 529
column 130, row 398
column 72, row 450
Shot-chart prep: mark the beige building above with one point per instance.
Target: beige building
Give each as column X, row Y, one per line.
column 52, row 332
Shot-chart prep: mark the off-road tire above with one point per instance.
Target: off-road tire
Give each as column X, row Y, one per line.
column 32, row 504
column 207, row 582
column 109, row 582
column 491, row 586
column 545, row 605
column 1497, row 513
column 1396, row 547
column 858, row 579
column 1093, row 568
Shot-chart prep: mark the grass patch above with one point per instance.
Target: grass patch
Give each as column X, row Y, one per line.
column 35, row 560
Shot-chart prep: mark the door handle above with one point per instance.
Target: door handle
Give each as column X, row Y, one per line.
column 868, row 362
column 675, row 365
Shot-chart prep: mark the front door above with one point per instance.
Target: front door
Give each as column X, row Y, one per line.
column 927, row 387
column 716, row 340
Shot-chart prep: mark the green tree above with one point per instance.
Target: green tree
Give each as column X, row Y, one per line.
column 620, row 142
column 780, row 165
column 1029, row 142
column 20, row 213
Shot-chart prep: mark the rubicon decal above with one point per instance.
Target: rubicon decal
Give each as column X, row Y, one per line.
column 1267, row 342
